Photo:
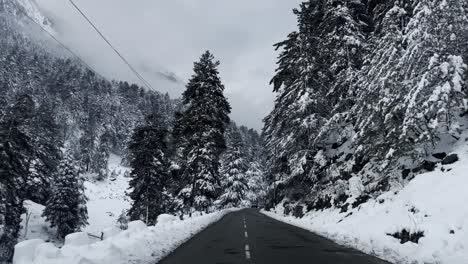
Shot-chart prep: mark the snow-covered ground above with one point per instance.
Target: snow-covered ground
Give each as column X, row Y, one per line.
column 107, row 200
column 139, row 244
column 434, row 203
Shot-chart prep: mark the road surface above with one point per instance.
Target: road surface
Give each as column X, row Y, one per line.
column 248, row 236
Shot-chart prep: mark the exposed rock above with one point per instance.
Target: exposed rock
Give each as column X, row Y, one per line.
column 361, row 199
column 450, row 159
column 405, row 173
column 425, row 166
column 298, row 211
column 406, row 236
column 440, row 155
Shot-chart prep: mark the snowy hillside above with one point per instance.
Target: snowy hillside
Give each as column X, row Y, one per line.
column 431, row 208
column 107, row 200
column 33, row 11
column 23, row 8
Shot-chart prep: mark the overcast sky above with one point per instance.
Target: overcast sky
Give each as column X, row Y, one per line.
column 168, row 35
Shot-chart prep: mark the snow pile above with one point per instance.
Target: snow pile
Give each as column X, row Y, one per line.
column 433, row 204
column 137, row 244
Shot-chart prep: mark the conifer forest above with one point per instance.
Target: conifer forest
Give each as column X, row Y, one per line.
column 360, row 157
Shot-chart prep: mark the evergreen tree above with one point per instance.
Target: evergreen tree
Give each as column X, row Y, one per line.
column 16, row 149
column 325, row 46
column 257, row 183
column 437, row 98
column 200, row 135
column 101, row 157
column 150, row 178
column 365, row 89
column 44, row 162
column 88, row 139
column 66, row 207
column 233, row 172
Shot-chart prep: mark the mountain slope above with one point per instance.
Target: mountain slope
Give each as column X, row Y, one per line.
column 20, row 8
column 70, row 108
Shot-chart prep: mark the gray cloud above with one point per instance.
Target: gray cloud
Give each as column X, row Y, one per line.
column 166, row 36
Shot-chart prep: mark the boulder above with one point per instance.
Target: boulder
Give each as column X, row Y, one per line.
column 440, row 155
column 450, row 159
column 425, row 166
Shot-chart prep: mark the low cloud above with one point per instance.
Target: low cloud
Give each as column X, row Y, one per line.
column 162, row 38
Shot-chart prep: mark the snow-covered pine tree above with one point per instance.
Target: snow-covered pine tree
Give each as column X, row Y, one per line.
column 343, row 43
column 150, row 178
column 47, row 155
column 343, row 32
column 200, row 135
column 101, row 157
column 66, row 208
column 394, row 74
column 233, row 171
column 289, row 126
column 413, row 86
column 16, row 149
column 380, row 90
column 437, row 97
column 88, row 139
column 316, row 69
column 258, row 186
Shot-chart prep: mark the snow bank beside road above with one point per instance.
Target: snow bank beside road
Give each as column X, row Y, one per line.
column 433, row 203
column 138, row 244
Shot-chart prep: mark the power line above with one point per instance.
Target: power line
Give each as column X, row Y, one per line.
column 138, row 75
column 58, row 41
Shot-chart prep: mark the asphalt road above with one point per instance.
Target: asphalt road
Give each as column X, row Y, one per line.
column 248, row 236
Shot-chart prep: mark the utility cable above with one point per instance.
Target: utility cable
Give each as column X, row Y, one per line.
column 138, row 75
column 56, row 40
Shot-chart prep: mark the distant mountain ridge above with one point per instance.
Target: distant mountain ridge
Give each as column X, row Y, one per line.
column 19, row 8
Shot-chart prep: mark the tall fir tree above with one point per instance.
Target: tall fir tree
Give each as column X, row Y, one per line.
column 258, row 186
column 199, row 131
column 436, row 100
column 150, row 179
column 101, row 158
column 16, row 149
column 315, row 69
column 88, row 139
column 47, row 142
column 66, row 208
column 234, row 171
